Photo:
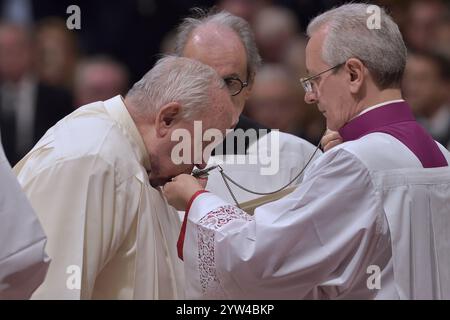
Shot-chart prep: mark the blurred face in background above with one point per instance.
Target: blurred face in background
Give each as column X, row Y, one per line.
column 442, row 39
column 56, row 53
column 275, row 28
column 423, row 86
column 245, row 9
column 276, row 100
column 99, row 81
column 15, row 53
column 422, row 20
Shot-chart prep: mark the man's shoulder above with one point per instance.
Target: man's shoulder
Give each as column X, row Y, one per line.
column 375, row 152
column 335, row 157
column 86, row 133
column 381, row 151
column 89, row 130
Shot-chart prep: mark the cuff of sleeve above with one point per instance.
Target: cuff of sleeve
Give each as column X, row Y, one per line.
column 180, row 243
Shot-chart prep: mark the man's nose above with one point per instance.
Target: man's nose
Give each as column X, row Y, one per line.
column 310, row 97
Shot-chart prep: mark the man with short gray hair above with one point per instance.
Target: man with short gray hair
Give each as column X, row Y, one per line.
column 371, row 217
column 94, row 179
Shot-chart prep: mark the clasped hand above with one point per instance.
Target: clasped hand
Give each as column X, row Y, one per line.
column 181, row 189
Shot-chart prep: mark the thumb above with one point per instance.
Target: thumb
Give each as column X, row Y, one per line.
column 203, row 182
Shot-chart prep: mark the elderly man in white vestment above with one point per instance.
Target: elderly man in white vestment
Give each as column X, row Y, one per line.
column 226, row 43
column 23, row 261
column 93, row 180
column 372, row 216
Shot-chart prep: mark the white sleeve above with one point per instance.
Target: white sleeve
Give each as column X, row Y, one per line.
column 86, row 215
column 320, row 234
column 23, row 261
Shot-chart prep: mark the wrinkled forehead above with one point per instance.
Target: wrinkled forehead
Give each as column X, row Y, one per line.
column 218, row 47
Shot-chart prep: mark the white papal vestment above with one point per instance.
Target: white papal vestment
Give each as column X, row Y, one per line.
column 110, row 234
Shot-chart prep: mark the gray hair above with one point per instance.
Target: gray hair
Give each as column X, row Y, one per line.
column 176, row 79
column 227, row 20
column 382, row 50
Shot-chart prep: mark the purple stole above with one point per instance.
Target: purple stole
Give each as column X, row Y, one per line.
column 397, row 120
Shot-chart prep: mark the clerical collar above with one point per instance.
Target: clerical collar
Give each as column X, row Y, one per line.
column 377, row 106
column 397, row 120
column 118, row 111
column 377, row 116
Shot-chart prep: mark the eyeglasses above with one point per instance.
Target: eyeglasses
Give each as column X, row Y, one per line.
column 235, row 85
column 306, row 82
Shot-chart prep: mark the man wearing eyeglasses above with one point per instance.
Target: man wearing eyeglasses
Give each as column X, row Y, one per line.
column 226, row 43
column 371, row 217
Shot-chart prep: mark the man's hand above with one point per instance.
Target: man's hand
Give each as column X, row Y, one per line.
column 180, row 190
column 330, row 140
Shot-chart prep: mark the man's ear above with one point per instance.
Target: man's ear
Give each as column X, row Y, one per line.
column 356, row 71
column 167, row 117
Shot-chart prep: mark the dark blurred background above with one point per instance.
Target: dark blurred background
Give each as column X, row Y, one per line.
column 47, row 70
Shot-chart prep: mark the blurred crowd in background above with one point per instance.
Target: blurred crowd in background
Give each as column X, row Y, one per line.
column 47, row 70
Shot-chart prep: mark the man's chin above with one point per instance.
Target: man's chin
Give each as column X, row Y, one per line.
column 159, row 182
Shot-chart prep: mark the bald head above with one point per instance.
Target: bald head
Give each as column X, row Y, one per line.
column 224, row 42
column 214, row 23
column 220, row 48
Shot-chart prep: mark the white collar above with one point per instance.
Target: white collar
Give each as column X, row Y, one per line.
column 118, row 111
column 377, row 106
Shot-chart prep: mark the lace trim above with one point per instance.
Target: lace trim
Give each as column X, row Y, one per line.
column 206, row 238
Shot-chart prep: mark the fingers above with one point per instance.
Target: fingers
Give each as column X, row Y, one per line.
column 331, row 144
column 179, row 191
column 202, row 182
column 330, row 140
